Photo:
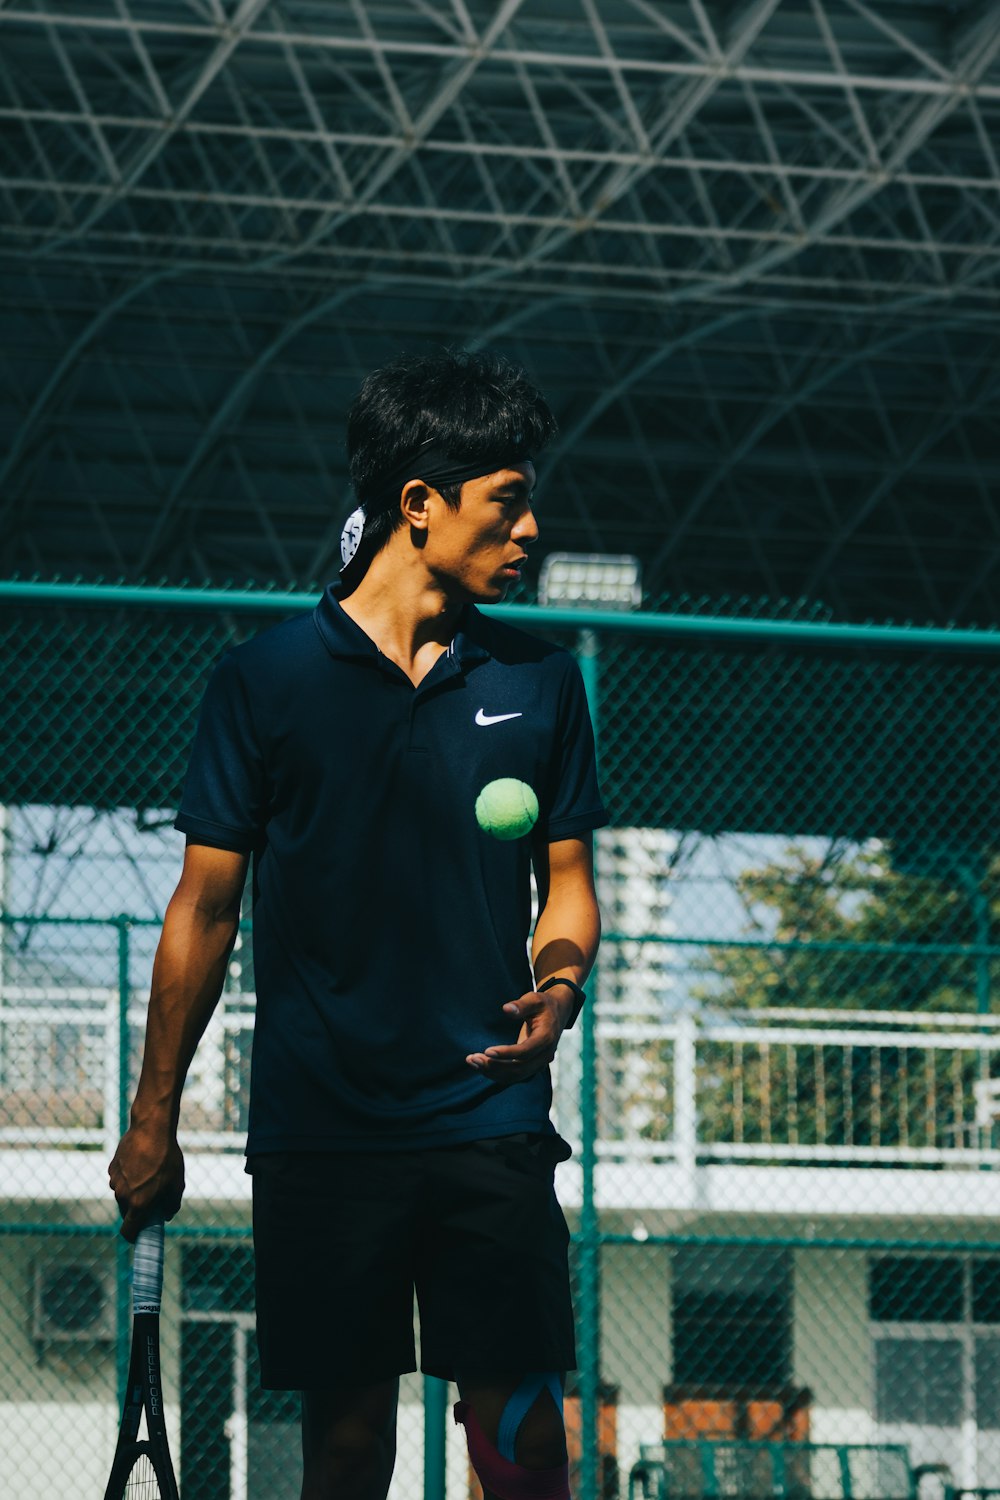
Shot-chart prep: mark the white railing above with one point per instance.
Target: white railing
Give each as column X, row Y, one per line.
column 779, row 1086
column 61, row 1067
column 829, row 1087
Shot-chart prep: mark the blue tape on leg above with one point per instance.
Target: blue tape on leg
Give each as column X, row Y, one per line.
column 506, row 1480
column 520, row 1403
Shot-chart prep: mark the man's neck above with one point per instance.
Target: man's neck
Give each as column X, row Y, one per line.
column 409, row 619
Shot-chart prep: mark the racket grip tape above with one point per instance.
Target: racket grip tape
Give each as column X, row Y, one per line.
column 147, row 1269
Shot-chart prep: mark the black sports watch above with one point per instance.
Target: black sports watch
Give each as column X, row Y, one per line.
column 578, row 996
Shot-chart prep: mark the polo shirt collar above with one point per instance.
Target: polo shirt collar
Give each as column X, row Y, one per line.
column 470, row 641
column 344, row 638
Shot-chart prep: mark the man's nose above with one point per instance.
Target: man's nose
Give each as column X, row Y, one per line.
column 525, row 527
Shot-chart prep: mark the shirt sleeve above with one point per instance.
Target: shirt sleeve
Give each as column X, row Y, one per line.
column 574, row 802
column 225, row 795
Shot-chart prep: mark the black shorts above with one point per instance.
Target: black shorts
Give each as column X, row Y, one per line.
column 343, row 1239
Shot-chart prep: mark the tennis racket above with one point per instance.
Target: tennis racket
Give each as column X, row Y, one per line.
column 142, row 1469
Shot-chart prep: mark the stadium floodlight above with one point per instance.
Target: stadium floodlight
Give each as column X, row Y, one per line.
column 590, row 580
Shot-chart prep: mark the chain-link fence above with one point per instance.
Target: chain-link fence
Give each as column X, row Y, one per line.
column 783, row 1190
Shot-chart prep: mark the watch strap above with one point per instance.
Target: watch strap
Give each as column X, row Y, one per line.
column 579, row 996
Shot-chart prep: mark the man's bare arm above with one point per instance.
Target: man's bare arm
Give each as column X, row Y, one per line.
column 199, row 931
column 565, row 942
column 568, row 929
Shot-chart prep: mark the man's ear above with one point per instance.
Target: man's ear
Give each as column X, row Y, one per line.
column 413, row 504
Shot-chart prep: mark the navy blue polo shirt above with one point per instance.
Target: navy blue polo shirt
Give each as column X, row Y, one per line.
column 389, row 930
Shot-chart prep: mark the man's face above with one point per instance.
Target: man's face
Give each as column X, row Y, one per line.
column 477, row 550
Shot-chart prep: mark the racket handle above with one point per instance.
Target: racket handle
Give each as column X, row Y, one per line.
column 147, row 1269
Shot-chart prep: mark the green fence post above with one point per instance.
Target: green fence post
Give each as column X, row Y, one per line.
column 589, row 1315
column 435, row 1436
column 122, row 1259
column 981, row 907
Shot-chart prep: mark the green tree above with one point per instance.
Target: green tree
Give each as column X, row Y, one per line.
column 848, row 929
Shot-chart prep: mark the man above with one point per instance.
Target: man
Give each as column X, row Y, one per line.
column 399, row 1120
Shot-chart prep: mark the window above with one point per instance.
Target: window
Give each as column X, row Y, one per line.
column 732, row 1316
column 936, row 1327
column 986, row 1291
column 987, row 1357
column 917, row 1289
column 918, row 1383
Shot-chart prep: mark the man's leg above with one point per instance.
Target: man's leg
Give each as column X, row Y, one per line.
column 534, row 1442
column 494, row 1294
column 349, row 1441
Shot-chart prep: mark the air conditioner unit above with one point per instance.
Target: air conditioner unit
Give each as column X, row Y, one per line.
column 74, row 1301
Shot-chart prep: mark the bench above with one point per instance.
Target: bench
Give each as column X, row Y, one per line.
column 718, row 1469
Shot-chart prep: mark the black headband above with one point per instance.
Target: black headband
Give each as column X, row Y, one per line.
column 431, row 463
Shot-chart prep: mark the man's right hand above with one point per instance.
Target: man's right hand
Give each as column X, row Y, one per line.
column 147, row 1177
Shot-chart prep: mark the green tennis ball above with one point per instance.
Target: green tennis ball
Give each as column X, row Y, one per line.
column 507, row 808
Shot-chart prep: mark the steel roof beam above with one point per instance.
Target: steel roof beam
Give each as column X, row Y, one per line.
column 675, row 116
column 792, row 206
column 837, row 59
column 248, row 10
column 899, row 38
column 275, row 546
column 123, row 181
column 990, row 561
column 608, row 396
column 895, row 472
column 923, row 119
column 884, row 82
column 109, row 310
column 333, row 158
column 156, row 88
column 548, row 221
column 399, row 110
column 657, row 18
column 563, row 155
column 773, row 413
column 823, row 295
column 981, row 44
column 450, row 87
column 72, row 77
column 233, row 402
column 148, row 94
column 544, row 129
column 261, row 157
column 629, row 110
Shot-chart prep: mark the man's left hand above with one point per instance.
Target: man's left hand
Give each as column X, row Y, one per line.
column 543, row 1019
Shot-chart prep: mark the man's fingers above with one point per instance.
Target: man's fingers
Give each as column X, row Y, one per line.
column 135, row 1215
column 528, row 1005
column 534, row 1049
column 506, row 1062
column 518, row 1051
column 130, row 1225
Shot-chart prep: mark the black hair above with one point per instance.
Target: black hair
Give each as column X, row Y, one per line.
column 470, row 403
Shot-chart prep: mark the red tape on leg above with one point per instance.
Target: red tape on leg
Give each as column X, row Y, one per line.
column 509, row 1481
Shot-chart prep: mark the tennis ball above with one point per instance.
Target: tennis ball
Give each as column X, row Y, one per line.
column 507, row 808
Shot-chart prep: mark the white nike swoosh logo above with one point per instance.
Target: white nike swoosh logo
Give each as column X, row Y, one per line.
column 482, row 717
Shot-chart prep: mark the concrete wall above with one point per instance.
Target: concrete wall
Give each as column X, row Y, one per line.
column 636, row 1335
column 832, row 1343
